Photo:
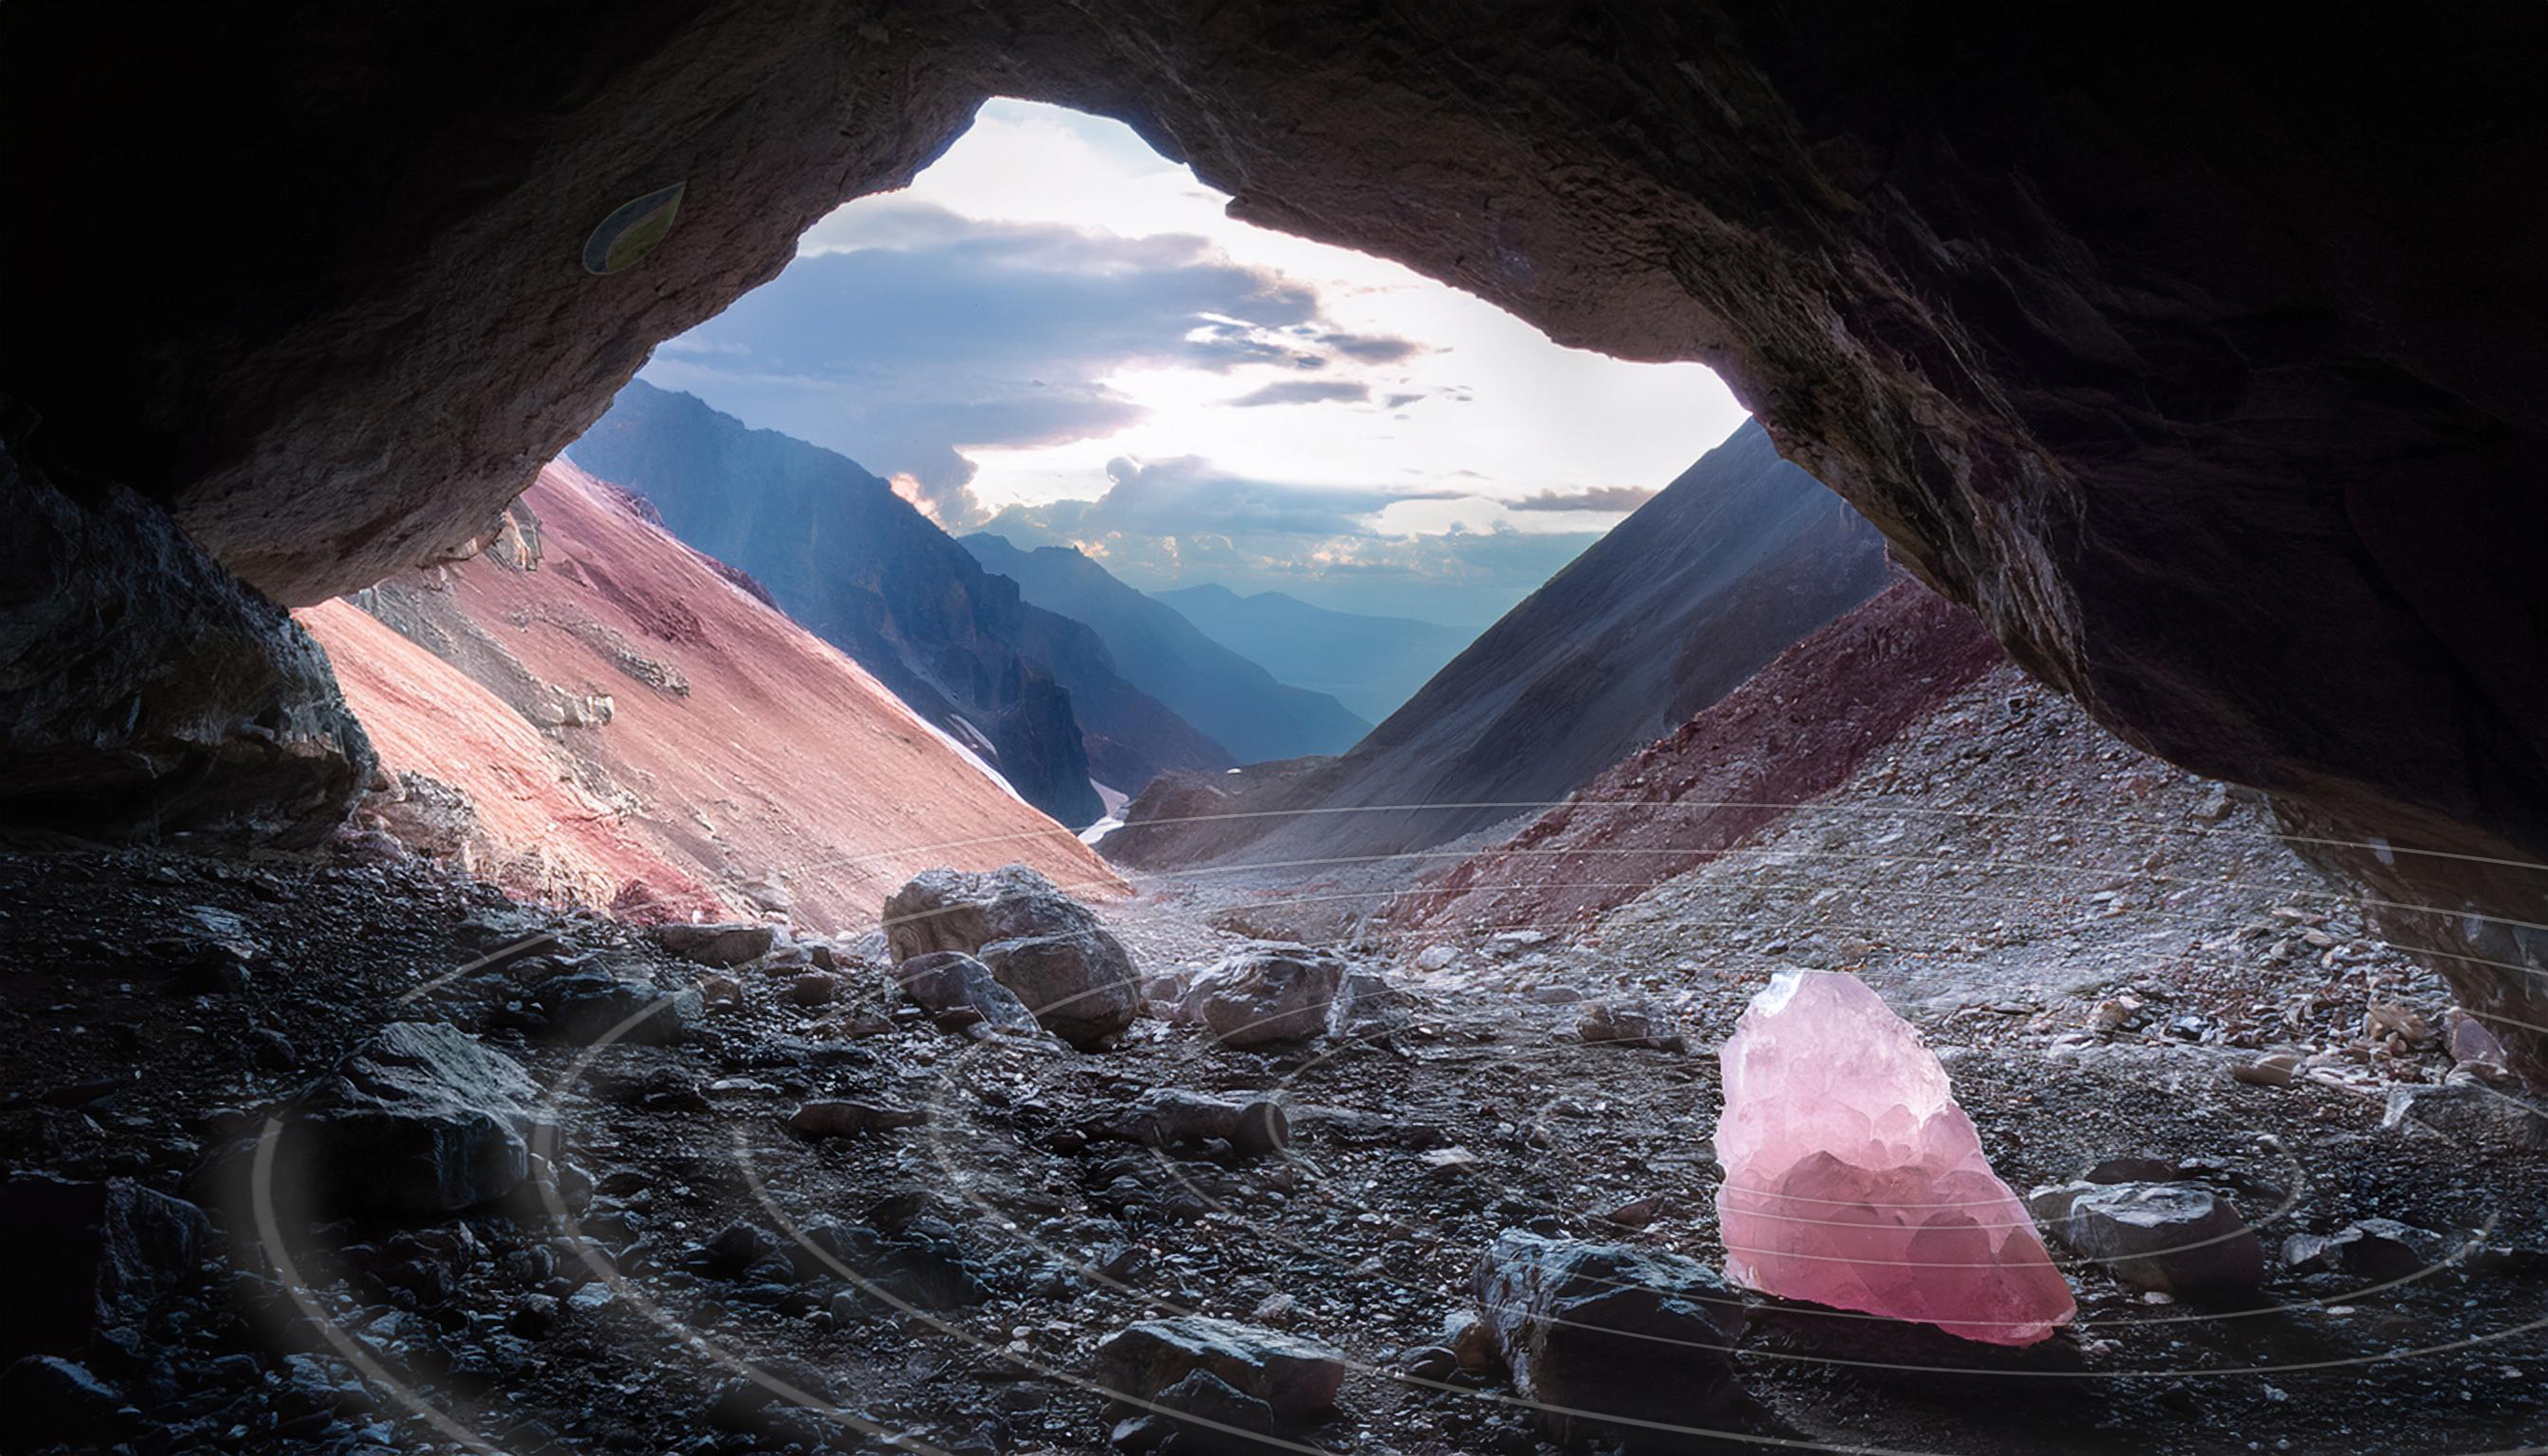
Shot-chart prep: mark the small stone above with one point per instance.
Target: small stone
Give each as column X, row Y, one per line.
column 816, row 989
column 2174, row 1237
column 730, row 943
column 2380, row 1249
column 1629, row 1023
column 2274, row 1069
column 844, row 1119
column 1296, row 1377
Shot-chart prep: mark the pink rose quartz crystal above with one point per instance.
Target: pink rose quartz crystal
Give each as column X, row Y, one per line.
column 1854, row 1180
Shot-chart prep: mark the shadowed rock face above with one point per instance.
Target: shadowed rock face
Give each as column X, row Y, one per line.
column 2195, row 353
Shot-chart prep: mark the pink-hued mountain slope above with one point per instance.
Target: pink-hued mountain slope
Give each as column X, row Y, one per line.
column 590, row 711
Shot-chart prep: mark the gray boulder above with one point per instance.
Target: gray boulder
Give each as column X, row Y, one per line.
column 956, row 910
column 958, row 989
column 1598, row 1330
column 420, row 1118
column 1297, row 1377
column 2471, row 1110
column 728, row 943
column 587, row 1006
column 1266, row 993
column 2176, row 1237
column 89, row 1257
column 1079, row 984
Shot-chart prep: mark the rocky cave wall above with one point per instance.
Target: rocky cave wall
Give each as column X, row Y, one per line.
column 2198, row 349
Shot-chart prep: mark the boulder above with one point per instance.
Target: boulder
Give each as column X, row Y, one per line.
column 956, row 910
column 144, row 689
column 728, row 943
column 587, row 1006
column 1266, row 993
column 2176, row 1237
column 961, row 991
column 2471, row 1110
column 1597, row 1330
column 422, row 1118
column 90, row 1257
column 1297, row 1377
column 1367, row 1007
column 1079, row 984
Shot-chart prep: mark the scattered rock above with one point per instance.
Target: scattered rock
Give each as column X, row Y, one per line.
column 2472, row 1111
column 2176, row 1237
column 2470, row 1042
column 730, row 943
column 1629, row 1023
column 843, row 1119
column 1298, row 1378
column 1164, row 1117
column 89, row 1257
column 1266, row 993
column 961, row 991
column 1606, row 1331
column 2274, row 1069
column 2380, row 1249
column 1079, row 984
column 817, row 988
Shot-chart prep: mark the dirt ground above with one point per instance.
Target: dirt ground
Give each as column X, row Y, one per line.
column 1009, row 1242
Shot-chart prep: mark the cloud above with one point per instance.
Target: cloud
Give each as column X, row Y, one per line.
column 1306, row 392
column 1174, row 522
column 905, row 333
column 1595, row 497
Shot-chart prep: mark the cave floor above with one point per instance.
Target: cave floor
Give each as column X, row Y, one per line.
column 1484, row 1112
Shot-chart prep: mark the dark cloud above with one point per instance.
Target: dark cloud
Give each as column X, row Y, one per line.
column 1306, row 392
column 1371, row 348
column 1597, row 498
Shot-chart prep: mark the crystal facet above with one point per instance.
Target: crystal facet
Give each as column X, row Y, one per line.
column 1854, row 1180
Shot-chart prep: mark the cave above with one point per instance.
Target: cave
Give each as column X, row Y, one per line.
column 2197, row 354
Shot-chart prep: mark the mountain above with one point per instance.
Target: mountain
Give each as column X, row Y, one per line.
column 1727, row 567
column 1371, row 665
column 1799, row 729
column 860, row 567
column 1218, row 691
column 588, row 711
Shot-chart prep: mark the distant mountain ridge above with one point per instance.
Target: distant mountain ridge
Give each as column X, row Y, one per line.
column 1370, row 664
column 1220, row 692
column 1737, row 560
column 860, row 568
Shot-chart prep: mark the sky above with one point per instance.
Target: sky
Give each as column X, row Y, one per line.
column 1059, row 335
